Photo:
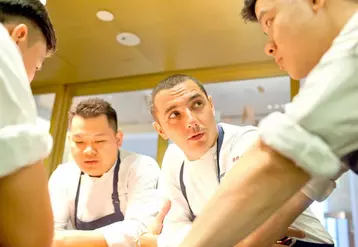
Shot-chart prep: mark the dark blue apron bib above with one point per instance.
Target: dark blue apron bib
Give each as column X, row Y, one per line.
column 300, row 243
column 106, row 220
column 218, row 148
column 351, row 160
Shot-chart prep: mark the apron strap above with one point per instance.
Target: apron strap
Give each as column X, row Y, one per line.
column 183, row 190
column 106, row 220
column 115, row 197
column 181, row 175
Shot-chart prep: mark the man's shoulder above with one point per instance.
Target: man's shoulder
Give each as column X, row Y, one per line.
column 173, row 159
column 234, row 133
column 237, row 128
column 8, row 49
column 136, row 160
column 4, row 36
column 174, row 153
column 66, row 169
column 345, row 45
column 65, row 174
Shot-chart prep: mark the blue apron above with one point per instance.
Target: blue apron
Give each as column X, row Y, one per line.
column 106, row 220
column 298, row 243
column 351, row 160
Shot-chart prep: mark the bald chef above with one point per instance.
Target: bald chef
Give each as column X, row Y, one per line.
column 107, row 194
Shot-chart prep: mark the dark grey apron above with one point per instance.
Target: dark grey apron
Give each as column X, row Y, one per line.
column 106, row 220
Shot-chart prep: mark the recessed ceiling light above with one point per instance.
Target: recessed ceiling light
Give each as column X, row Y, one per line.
column 128, row 39
column 104, row 15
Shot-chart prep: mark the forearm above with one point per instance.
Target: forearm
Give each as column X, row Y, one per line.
column 250, row 193
column 276, row 226
column 79, row 239
column 147, row 240
column 25, row 211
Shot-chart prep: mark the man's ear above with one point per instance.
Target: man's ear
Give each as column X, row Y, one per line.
column 316, row 5
column 210, row 99
column 119, row 137
column 19, row 33
column 159, row 130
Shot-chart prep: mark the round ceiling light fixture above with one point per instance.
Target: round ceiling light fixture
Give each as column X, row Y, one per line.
column 104, row 15
column 128, row 39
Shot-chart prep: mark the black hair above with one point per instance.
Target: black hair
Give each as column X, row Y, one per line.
column 35, row 12
column 94, row 107
column 248, row 11
column 170, row 82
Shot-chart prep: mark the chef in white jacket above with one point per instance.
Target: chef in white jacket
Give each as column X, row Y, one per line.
column 27, row 37
column 203, row 151
column 107, row 194
column 317, row 132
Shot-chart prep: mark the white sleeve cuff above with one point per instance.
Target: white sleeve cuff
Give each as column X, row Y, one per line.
column 307, row 150
column 173, row 237
column 122, row 234
column 318, row 189
column 22, row 145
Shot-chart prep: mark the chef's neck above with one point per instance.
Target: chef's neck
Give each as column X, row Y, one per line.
column 212, row 144
column 99, row 176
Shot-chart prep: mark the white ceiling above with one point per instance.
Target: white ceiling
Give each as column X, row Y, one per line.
column 229, row 98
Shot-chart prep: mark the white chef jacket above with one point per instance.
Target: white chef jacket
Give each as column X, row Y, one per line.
column 139, row 199
column 201, row 182
column 320, row 126
column 22, row 142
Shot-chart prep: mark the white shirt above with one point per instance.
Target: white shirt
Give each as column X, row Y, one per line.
column 201, row 182
column 139, row 199
column 320, row 126
column 21, row 141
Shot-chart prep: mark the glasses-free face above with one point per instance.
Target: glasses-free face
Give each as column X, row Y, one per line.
column 186, row 116
column 94, row 144
column 297, row 33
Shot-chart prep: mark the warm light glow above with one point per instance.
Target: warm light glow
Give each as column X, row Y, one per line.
column 128, row 39
column 105, row 15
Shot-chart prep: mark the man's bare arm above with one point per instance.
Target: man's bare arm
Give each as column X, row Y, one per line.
column 25, row 211
column 79, row 239
column 276, row 226
column 260, row 183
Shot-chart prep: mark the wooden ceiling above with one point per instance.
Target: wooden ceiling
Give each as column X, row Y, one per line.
column 175, row 35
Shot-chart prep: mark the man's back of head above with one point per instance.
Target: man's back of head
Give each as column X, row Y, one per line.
column 29, row 25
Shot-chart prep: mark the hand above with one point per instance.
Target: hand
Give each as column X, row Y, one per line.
column 294, row 233
column 149, row 239
column 157, row 226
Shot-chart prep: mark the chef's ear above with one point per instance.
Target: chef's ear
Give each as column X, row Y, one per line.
column 159, row 130
column 119, row 137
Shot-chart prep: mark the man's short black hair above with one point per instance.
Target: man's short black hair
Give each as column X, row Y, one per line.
column 35, row 12
column 94, row 107
column 248, row 11
column 169, row 83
